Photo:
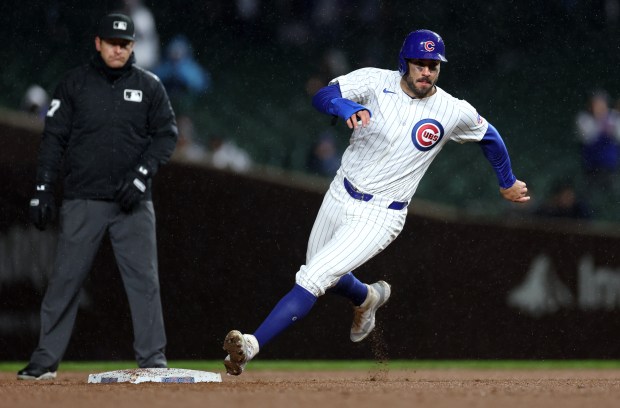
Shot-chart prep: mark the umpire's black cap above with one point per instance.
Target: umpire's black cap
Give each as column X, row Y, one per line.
column 116, row 25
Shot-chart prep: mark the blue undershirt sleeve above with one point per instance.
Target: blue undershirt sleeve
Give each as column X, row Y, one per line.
column 496, row 153
column 329, row 100
column 322, row 99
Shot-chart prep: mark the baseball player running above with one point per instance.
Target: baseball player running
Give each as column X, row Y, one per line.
column 400, row 120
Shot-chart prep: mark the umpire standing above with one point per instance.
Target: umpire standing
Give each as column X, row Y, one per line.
column 111, row 125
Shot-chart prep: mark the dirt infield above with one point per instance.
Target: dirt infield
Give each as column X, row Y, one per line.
column 375, row 388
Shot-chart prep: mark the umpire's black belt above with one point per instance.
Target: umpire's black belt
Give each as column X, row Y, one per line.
column 358, row 195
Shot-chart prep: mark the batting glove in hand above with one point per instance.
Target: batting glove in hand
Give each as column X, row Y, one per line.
column 132, row 188
column 42, row 206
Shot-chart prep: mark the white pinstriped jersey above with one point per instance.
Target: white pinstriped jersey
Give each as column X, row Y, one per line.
column 390, row 155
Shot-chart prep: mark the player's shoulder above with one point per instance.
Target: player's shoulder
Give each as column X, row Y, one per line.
column 376, row 72
column 369, row 73
column 460, row 103
column 379, row 71
column 371, row 78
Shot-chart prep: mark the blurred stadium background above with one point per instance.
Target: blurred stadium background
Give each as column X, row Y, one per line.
column 527, row 66
column 484, row 282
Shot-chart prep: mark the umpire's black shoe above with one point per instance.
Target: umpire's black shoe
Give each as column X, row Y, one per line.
column 35, row 372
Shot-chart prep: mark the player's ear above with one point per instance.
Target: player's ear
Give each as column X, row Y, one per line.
column 98, row 43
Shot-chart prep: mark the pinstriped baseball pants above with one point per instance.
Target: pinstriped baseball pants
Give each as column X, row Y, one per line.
column 346, row 234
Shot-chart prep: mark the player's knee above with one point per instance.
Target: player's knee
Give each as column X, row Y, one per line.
column 312, row 285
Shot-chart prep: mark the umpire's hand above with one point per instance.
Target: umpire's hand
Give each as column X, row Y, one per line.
column 42, row 206
column 132, row 188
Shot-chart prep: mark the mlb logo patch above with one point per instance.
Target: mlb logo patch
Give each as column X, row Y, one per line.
column 132, row 95
column 120, row 25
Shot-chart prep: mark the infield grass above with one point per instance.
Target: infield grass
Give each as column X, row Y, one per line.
column 331, row 365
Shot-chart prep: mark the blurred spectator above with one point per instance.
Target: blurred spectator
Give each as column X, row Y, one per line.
column 187, row 148
column 369, row 12
column 248, row 13
column 598, row 130
column 184, row 78
column 293, row 27
column 35, row 101
column 248, row 10
column 56, row 29
column 327, row 20
column 324, row 157
column 563, row 203
column 226, row 155
column 333, row 63
column 146, row 47
column 612, row 12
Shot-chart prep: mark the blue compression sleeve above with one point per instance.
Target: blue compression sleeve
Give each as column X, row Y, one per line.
column 322, row 99
column 351, row 288
column 496, row 153
column 294, row 306
column 329, row 100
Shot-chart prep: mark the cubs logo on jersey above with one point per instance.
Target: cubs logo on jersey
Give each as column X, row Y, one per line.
column 426, row 134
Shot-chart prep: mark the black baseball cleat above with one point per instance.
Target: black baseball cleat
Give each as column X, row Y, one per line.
column 36, row 372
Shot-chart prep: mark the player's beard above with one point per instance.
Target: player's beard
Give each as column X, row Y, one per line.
column 420, row 92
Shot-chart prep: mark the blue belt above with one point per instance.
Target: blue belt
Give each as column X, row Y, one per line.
column 358, row 195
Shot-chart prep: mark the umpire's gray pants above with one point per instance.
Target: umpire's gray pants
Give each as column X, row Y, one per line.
column 83, row 224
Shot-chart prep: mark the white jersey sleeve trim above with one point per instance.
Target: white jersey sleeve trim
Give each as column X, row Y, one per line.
column 471, row 127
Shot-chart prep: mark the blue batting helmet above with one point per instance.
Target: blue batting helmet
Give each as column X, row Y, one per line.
column 421, row 44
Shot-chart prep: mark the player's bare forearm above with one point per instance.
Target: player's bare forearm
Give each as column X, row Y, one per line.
column 362, row 116
column 517, row 193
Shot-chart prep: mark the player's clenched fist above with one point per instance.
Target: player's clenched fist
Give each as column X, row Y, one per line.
column 516, row 193
column 360, row 118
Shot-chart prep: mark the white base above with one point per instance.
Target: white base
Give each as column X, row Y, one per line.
column 157, row 375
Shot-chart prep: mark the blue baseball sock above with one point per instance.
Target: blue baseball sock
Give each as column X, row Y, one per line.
column 351, row 288
column 294, row 306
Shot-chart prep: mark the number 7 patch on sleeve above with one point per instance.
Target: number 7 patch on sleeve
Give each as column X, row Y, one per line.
column 54, row 105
